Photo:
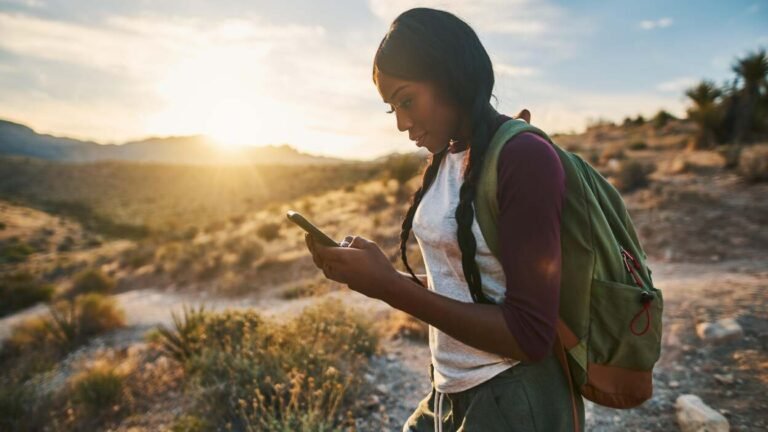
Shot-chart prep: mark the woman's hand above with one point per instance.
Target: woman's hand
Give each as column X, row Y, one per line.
column 359, row 263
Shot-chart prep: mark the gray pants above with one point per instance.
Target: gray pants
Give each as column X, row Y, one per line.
column 524, row 398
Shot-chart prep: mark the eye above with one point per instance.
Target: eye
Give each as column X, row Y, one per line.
column 403, row 105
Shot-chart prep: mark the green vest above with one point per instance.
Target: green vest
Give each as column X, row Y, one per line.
column 610, row 313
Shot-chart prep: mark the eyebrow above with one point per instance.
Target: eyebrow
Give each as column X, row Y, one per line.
column 396, row 92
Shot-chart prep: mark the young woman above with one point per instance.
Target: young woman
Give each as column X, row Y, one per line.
column 493, row 367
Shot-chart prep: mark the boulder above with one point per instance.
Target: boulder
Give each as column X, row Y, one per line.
column 693, row 415
column 720, row 331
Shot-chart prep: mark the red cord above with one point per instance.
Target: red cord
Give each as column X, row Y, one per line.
column 646, row 309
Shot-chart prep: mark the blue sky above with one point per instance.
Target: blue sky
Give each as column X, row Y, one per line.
column 298, row 72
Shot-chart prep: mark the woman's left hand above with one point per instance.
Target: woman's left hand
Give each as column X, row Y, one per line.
column 358, row 262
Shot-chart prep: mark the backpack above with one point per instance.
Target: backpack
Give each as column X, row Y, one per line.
column 609, row 331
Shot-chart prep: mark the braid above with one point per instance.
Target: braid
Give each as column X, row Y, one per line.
column 481, row 120
column 429, row 175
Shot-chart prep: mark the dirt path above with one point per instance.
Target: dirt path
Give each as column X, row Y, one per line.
column 692, row 293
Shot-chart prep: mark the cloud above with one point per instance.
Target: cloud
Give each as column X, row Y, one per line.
column 511, row 17
column 654, row 24
column 500, row 68
column 677, row 85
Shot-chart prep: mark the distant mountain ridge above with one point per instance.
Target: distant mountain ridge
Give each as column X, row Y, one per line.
column 19, row 140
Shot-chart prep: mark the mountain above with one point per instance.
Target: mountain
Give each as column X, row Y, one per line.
column 19, row 140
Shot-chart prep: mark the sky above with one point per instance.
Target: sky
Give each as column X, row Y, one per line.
column 256, row 72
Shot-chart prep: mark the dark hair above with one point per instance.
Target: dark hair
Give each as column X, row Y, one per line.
column 436, row 46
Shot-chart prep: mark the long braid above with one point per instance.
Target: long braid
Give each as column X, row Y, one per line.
column 429, row 175
column 481, row 120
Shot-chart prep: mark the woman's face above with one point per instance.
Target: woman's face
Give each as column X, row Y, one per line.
column 430, row 119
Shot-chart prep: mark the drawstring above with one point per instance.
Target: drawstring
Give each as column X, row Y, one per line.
column 438, row 411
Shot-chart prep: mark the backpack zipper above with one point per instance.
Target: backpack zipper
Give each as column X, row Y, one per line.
column 645, row 296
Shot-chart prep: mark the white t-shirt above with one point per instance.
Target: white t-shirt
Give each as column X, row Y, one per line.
column 457, row 366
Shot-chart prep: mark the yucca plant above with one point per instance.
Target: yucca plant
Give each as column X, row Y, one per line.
column 184, row 340
column 705, row 112
column 752, row 70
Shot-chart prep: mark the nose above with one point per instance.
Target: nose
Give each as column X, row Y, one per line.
column 403, row 121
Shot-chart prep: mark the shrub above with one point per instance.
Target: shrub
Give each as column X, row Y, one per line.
column 402, row 168
column 638, row 145
column 632, row 175
column 69, row 324
column 185, row 338
column 246, row 370
column 21, row 290
column 250, row 253
column 753, row 163
column 21, row 409
column 99, row 389
column 138, row 256
column 15, row 251
column 269, row 231
column 662, row 118
column 2, row 225
column 730, row 154
column 92, row 281
column 377, row 201
column 403, row 325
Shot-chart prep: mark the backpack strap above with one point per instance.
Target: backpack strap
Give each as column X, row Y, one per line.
column 487, row 213
column 486, row 200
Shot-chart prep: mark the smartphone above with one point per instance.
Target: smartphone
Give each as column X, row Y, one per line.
column 307, row 226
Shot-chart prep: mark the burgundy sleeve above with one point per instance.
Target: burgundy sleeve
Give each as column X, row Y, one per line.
column 530, row 194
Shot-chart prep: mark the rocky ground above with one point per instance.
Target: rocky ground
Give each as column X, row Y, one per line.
column 704, row 231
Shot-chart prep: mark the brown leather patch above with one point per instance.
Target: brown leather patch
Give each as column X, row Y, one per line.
column 617, row 387
column 568, row 337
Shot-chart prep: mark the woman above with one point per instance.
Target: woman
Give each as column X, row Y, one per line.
column 492, row 321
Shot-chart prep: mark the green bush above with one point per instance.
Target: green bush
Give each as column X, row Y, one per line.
column 21, row 290
column 99, row 389
column 753, row 163
column 15, row 251
column 92, row 281
column 245, row 370
column 269, row 231
column 632, row 175
column 69, row 324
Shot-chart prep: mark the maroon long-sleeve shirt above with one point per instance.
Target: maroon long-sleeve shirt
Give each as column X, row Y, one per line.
column 531, row 191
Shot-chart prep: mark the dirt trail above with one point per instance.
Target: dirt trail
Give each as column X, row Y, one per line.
column 692, row 293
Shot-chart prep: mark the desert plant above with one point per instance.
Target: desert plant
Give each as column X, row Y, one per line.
column 753, row 163
column 377, row 201
column 92, row 281
column 632, row 175
column 402, row 168
column 638, row 145
column 245, row 363
column 269, row 231
column 753, row 72
column 21, row 290
column 99, row 389
column 730, row 154
column 662, row 118
column 250, row 253
column 706, row 112
column 184, row 339
column 14, row 251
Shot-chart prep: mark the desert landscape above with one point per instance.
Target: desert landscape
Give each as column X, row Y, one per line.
column 149, row 153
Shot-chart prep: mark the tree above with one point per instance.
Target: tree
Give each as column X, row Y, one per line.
column 705, row 111
column 753, row 71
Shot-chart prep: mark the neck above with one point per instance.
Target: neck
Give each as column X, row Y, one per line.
column 461, row 144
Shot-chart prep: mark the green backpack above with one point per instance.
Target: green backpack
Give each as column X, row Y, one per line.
column 610, row 313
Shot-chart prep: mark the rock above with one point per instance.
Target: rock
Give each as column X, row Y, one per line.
column 720, row 331
column 695, row 416
column 383, row 389
column 674, row 384
column 724, row 379
column 391, row 358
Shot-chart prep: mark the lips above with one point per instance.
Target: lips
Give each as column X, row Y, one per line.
column 419, row 140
